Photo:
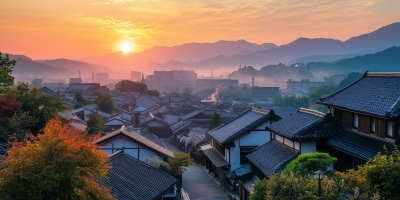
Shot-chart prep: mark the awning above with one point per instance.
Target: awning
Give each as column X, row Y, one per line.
column 215, row 157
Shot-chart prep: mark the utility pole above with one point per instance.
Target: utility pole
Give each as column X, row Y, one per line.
column 252, row 82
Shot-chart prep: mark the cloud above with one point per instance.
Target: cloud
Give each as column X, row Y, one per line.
column 120, row 1
column 110, row 21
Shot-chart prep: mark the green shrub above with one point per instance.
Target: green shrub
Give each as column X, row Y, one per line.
column 309, row 163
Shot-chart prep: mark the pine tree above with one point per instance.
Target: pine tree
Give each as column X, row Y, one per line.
column 215, row 120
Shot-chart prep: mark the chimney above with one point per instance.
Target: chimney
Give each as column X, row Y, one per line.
column 137, row 118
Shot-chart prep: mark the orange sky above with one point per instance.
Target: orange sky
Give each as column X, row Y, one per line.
column 48, row 29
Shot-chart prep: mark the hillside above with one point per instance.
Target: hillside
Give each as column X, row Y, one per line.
column 31, row 68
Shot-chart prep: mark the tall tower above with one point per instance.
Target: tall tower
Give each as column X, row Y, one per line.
column 142, row 78
column 252, row 82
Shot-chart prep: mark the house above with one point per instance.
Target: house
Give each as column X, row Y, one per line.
column 181, row 127
column 87, row 90
column 66, row 101
column 369, row 110
column 156, row 125
column 225, row 115
column 231, row 142
column 130, row 178
column 146, row 101
column 86, row 111
column 123, row 114
column 116, row 122
column 197, row 117
column 299, row 133
column 133, row 144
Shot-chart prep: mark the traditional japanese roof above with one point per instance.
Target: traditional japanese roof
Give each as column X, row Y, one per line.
column 284, row 112
column 242, row 171
column 182, row 125
column 137, row 137
column 120, row 112
column 222, row 113
column 118, row 118
column 78, row 124
column 360, row 145
column 149, row 97
column 305, row 124
column 242, row 124
column 248, row 184
column 149, row 117
column 79, row 87
column 183, row 111
column 269, row 156
column 376, row 94
column 130, row 178
column 65, row 100
column 216, row 158
column 192, row 114
column 158, row 107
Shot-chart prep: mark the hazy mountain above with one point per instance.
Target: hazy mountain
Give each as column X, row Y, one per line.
column 382, row 61
column 15, row 57
column 193, row 52
column 74, row 66
column 384, row 37
column 31, row 68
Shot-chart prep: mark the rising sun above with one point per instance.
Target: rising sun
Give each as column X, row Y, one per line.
column 126, row 47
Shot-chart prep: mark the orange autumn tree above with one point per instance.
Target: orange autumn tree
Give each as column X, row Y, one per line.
column 60, row 164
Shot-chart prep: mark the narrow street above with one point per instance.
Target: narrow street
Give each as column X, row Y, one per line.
column 197, row 183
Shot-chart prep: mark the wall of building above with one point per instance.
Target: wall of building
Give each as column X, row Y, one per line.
column 155, row 124
column 127, row 143
column 308, row 146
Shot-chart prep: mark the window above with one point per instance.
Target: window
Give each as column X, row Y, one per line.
column 297, row 145
column 227, row 154
column 389, row 129
column 279, row 138
column 372, row 125
column 288, row 142
column 355, row 120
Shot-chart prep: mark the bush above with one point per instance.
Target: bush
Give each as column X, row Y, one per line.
column 259, row 190
column 309, row 163
column 105, row 103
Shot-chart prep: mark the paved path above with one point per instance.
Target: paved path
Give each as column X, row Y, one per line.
column 197, row 183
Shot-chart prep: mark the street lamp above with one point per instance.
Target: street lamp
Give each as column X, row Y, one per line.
column 320, row 176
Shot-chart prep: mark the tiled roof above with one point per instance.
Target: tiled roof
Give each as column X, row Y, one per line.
column 150, row 117
column 183, row 111
column 248, row 184
column 152, row 98
column 181, row 125
column 130, row 178
column 284, row 112
column 359, row 144
column 241, row 124
column 242, row 171
column 65, row 100
column 158, row 107
column 189, row 115
column 270, row 155
column 137, row 137
column 126, row 122
column 75, row 88
column 374, row 93
column 222, row 113
column 299, row 125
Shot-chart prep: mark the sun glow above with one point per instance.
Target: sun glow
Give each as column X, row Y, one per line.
column 126, row 47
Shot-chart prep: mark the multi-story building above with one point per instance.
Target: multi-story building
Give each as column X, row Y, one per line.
column 136, row 76
column 263, row 93
column 187, row 77
column 302, row 86
column 75, row 80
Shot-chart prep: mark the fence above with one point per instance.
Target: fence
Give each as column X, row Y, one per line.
column 197, row 158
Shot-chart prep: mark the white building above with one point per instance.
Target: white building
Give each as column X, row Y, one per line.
column 134, row 144
column 302, row 86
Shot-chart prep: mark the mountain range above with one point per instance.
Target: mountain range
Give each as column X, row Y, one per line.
column 223, row 54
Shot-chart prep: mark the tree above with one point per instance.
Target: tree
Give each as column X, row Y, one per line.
column 215, row 120
column 379, row 175
column 179, row 163
column 259, row 190
column 18, row 124
column 40, row 106
column 95, row 124
column 6, row 68
column 105, row 103
column 152, row 93
column 187, row 90
column 292, row 101
column 131, row 86
column 9, row 104
column 173, row 166
column 80, row 99
column 61, row 163
column 309, row 163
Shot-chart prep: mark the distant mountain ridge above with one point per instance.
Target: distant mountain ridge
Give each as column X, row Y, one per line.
column 193, row 52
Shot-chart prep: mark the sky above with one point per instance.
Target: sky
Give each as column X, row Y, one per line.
column 72, row 29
